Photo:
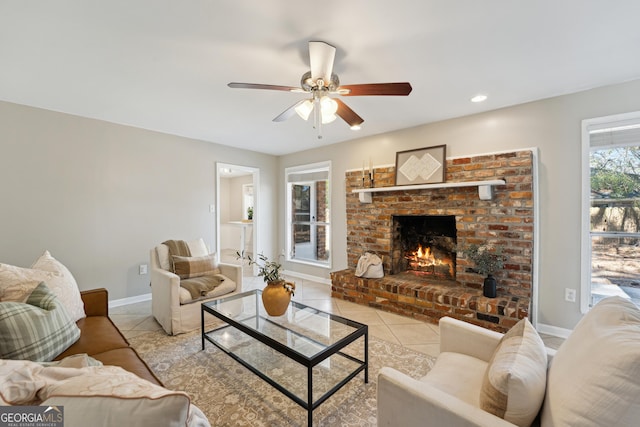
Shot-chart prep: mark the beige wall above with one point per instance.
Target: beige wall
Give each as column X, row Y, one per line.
column 100, row 195
column 552, row 125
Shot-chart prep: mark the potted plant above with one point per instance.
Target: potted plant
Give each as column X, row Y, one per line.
column 250, row 213
column 278, row 292
column 487, row 260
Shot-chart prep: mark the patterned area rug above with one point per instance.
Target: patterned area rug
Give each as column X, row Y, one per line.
column 231, row 395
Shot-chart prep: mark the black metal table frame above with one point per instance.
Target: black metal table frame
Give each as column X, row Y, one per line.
column 309, row 363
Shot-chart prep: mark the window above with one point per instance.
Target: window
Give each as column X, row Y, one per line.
column 309, row 214
column 611, row 209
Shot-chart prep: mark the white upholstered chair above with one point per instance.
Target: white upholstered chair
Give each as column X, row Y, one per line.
column 592, row 380
column 171, row 305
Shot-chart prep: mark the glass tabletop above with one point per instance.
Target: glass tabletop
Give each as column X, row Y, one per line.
column 303, row 329
column 306, row 353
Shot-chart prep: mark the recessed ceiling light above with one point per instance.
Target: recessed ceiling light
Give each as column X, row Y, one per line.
column 355, row 127
column 479, row 98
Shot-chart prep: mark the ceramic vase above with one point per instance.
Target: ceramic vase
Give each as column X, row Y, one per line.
column 489, row 289
column 276, row 298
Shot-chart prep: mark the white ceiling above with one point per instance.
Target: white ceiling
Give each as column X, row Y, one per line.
column 165, row 65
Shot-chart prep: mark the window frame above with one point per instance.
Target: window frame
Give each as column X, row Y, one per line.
column 588, row 125
column 302, row 169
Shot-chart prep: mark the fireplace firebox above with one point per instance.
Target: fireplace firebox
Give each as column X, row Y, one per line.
column 424, row 244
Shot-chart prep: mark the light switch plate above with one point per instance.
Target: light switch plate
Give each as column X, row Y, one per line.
column 570, row 295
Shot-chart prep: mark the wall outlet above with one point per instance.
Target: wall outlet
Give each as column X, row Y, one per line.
column 142, row 269
column 569, row 295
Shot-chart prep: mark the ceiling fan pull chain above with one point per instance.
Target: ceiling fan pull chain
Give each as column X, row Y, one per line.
column 317, row 116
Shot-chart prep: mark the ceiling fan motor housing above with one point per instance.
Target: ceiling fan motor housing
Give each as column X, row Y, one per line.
column 307, row 83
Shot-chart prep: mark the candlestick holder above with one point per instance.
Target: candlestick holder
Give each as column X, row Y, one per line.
column 371, row 180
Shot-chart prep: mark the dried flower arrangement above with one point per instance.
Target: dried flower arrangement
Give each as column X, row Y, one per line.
column 487, row 258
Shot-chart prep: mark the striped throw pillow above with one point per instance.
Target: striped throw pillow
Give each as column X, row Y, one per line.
column 514, row 383
column 37, row 330
column 190, row 267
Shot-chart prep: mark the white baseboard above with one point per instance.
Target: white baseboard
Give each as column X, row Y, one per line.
column 308, row 277
column 129, row 300
column 554, row 330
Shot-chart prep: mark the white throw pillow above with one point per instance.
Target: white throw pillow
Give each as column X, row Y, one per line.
column 105, row 411
column 198, row 248
column 163, row 257
column 515, row 380
column 121, row 399
column 17, row 283
column 69, row 294
column 594, row 378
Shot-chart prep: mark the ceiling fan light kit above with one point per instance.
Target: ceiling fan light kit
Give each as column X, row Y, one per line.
column 320, row 82
column 304, row 109
column 328, row 108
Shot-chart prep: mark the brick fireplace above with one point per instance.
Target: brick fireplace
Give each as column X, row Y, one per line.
column 424, row 290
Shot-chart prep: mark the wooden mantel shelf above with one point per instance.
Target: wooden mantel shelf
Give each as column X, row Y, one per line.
column 485, row 188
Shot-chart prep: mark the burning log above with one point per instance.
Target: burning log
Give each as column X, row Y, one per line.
column 424, row 260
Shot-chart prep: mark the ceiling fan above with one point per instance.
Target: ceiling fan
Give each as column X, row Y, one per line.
column 320, row 83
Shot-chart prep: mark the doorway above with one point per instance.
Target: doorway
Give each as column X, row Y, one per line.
column 237, row 212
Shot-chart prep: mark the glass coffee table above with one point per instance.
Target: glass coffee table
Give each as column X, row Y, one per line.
column 305, row 353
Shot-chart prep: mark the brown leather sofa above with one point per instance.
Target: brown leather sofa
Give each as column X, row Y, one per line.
column 102, row 340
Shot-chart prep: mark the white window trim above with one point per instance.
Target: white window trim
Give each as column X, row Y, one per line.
column 309, row 168
column 585, row 254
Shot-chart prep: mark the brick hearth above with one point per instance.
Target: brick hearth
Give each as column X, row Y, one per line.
column 505, row 221
column 409, row 295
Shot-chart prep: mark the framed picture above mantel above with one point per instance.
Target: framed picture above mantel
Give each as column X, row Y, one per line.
column 421, row 166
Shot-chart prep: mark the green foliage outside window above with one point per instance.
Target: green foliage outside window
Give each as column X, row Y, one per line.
column 615, row 173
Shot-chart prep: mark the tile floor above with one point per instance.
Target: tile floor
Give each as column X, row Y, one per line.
column 136, row 319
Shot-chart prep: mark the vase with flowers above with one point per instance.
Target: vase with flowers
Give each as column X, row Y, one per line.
column 278, row 292
column 487, row 260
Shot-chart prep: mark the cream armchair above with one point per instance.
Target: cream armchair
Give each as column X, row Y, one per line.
column 171, row 305
column 592, row 380
column 404, row 401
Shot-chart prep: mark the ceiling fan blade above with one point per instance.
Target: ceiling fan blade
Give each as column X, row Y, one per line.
column 393, row 89
column 286, row 114
column 261, row 86
column 347, row 114
column 321, row 56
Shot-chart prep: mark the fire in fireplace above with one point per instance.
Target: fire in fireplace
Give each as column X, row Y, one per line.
column 424, row 244
column 424, row 260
